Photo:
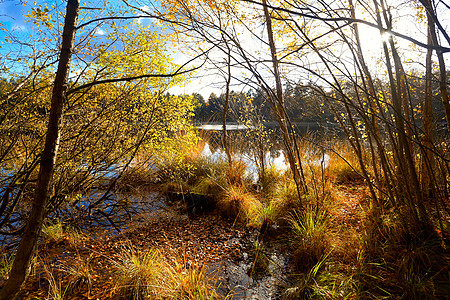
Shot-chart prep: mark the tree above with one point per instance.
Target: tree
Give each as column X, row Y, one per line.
column 28, row 242
column 369, row 113
column 118, row 91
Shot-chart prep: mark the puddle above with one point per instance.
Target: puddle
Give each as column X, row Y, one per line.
column 245, row 279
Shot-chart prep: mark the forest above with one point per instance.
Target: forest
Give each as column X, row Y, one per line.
column 333, row 183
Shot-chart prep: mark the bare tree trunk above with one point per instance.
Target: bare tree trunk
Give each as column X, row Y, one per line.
column 279, row 106
column 225, row 107
column 371, row 97
column 427, row 155
column 401, row 150
column 406, row 166
column 443, row 84
column 20, row 267
column 442, row 72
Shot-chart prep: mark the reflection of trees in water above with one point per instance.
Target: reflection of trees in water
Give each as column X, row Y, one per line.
column 243, row 140
column 238, row 140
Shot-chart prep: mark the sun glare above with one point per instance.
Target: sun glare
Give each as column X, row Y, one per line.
column 385, row 36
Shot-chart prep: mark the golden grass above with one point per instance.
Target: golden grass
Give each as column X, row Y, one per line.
column 190, row 282
column 146, row 275
column 134, row 177
column 310, row 239
column 5, row 265
column 57, row 290
column 138, row 274
column 80, row 275
column 56, row 233
column 237, row 202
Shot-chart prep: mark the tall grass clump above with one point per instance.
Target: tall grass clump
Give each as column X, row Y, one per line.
column 279, row 196
column 80, row 275
column 273, row 179
column 309, row 237
column 190, row 282
column 237, row 202
column 5, row 265
column 307, row 286
column 147, row 275
column 343, row 165
column 135, row 177
column 400, row 261
column 57, row 233
column 219, row 176
column 138, row 274
column 320, row 268
column 175, row 168
column 191, row 170
column 57, row 290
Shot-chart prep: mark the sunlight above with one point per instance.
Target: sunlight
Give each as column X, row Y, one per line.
column 204, row 149
column 385, row 36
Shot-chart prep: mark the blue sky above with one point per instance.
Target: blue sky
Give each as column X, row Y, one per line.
column 14, row 23
column 11, row 18
column 11, row 13
column 18, row 35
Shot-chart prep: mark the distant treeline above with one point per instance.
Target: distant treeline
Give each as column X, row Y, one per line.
column 303, row 103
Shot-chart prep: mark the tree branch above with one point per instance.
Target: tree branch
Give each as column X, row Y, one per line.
column 353, row 20
column 112, row 80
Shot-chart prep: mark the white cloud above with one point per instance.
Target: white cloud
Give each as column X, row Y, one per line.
column 18, row 27
column 99, row 31
column 145, row 8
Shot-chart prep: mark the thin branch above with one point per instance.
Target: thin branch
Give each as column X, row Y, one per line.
column 106, row 19
column 112, row 80
column 351, row 21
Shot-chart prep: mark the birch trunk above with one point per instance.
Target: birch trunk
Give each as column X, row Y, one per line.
column 21, row 265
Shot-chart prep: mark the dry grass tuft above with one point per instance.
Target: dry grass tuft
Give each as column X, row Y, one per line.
column 5, row 266
column 146, row 275
column 309, row 237
column 237, row 202
column 58, row 233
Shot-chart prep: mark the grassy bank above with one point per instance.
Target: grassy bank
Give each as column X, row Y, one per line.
column 336, row 247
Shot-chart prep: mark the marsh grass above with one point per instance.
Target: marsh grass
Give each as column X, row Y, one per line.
column 135, row 177
column 5, row 265
column 329, row 160
column 137, row 273
column 190, row 282
column 308, row 283
column 80, row 275
column 147, row 275
column 309, row 237
column 237, row 202
column 218, row 175
column 343, row 166
column 272, row 179
column 200, row 174
column 57, row 290
column 404, row 262
column 57, row 233
column 336, row 251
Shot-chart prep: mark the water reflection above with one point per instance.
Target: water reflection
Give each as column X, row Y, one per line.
column 227, row 127
column 275, row 159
